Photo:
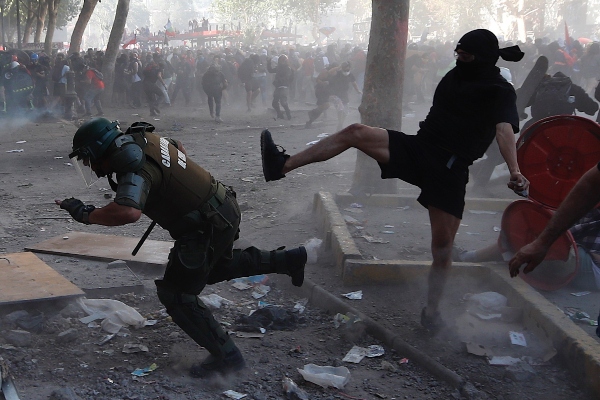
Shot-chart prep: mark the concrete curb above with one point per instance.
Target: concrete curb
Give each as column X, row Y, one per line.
column 579, row 351
column 326, row 301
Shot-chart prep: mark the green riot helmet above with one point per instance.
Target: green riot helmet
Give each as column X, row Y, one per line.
column 90, row 143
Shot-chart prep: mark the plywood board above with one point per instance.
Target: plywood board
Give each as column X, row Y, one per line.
column 104, row 247
column 24, row 277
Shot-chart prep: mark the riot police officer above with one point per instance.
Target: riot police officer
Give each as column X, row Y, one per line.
column 153, row 175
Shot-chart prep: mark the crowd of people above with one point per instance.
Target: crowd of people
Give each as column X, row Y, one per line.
column 71, row 85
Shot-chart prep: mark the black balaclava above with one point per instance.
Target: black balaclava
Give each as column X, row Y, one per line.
column 483, row 44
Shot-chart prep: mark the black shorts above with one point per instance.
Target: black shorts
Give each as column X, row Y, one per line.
column 441, row 175
column 252, row 85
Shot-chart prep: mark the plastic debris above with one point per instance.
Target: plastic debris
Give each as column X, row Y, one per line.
column 21, row 141
column 300, row 306
column 343, row 319
column 355, row 355
column 232, row 394
column 114, row 314
column 15, row 151
column 504, row 360
column 579, row 294
column 375, row 350
column 373, row 239
column 388, row 232
column 313, row 142
column 213, row 300
column 579, row 316
column 129, row 348
column 497, row 229
column 292, row 391
column 260, row 291
column 322, row 135
column 253, row 280
column 517, row 338
column 144, row 371
column 326, row 376
column 354, row 295
column 403, row 361
column 487, row 302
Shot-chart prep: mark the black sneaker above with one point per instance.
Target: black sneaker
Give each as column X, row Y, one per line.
column 433, row 324
column 296, row 261
column 273, row 159
column 233, row 362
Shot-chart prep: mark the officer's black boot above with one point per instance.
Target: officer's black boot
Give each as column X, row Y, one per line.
column 289, row 262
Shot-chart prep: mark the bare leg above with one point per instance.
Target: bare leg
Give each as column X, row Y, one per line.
column 372, row 141
column 443, row 230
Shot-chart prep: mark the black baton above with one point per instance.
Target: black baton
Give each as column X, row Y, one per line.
column 143, row 239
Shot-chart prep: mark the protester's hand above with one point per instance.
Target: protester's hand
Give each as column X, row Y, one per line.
column 519, row 184
column 79, row 211
column 531, row 256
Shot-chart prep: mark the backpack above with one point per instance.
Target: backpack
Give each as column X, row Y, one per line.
column 553, row 98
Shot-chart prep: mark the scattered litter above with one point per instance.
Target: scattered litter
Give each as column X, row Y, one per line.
column 325, row 376
column 375, row 350
column 300, row 305
column 232, row 394
column 355, row 355
column 388, row 226
column 15, row 151
column 241, row 285
column 350, row 220
column 115, row 314
column 213, row 300
column 251, row 180
column 483, row 212
column 354, row 210
column 253, row 280
column 404, row 208
column 373, row 239
column 356, row 205
column 322, row 135
column 129, row 348
column 260, row 291
column 497, row 229
column 478, row 349
column 144, row 371
column 343, row 319
column 250, row 335
column 517, row 338
column 504, row 360
column 313, row 142
column 579, row 316
column 353, row 295
column 292, row 390
column 21, row 141
column 106, row 339
column 388, row 232
column 403, row 361
column 579, row 294
column 271, row 317
column 68, row 164
column 58, row 158
column 473, row 233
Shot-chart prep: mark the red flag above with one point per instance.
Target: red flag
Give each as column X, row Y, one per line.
column 132, row 41
column 567, row 36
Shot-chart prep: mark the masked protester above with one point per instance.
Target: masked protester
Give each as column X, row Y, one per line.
column 472, row 105
column 284, row 77
column 152, row 175
column 213, row 84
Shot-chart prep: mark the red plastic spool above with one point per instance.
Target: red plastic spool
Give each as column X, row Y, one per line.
column 553, row 154
column 522, row 222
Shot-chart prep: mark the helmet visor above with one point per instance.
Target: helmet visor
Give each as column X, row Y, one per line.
column 84, row 169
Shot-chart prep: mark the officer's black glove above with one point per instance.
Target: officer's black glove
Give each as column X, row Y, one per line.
column 79, row 211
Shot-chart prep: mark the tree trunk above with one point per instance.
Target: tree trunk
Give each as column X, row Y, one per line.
column 382, row 93
column 41, row 17
column 52, row 11
column 114, row 43
column 29, row 19
column 84, row 18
